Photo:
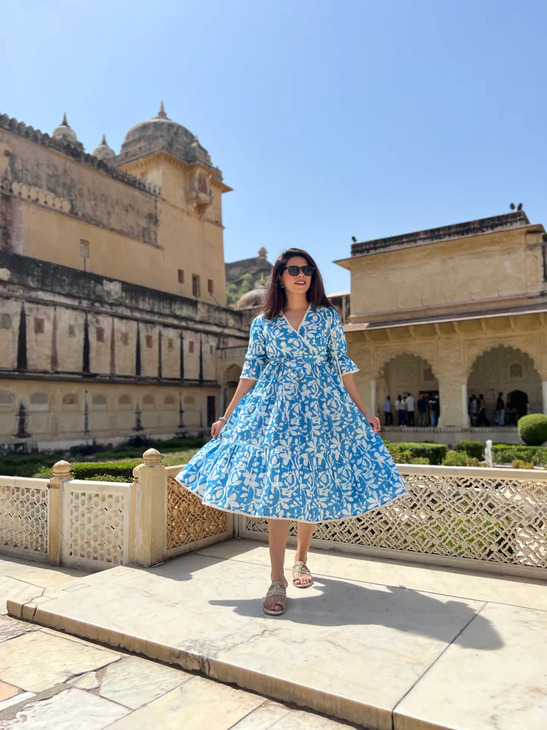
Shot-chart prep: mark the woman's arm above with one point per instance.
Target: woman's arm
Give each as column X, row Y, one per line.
column 356, row 398
column 243, row 387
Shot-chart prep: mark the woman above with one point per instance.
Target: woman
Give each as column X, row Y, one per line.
column 400, row 407
column 296, row 441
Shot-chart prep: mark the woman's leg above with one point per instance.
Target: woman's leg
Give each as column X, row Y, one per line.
column 305, row 534
column 278, row 531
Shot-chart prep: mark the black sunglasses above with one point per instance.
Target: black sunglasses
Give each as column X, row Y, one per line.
column 294, row 270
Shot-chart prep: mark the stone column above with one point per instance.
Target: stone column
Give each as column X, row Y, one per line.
column 544, row 394
column 373, row 396
column 61, row 474
column 464, row 403
column 148, row 531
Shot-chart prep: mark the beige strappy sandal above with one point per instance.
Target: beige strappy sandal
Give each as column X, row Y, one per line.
column 300, row 569
column 278, row 590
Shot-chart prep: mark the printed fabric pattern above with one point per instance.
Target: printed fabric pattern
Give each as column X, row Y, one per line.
column 296, row 446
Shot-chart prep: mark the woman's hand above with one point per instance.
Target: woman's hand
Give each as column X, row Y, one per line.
column 374, row 422
column 216, row 428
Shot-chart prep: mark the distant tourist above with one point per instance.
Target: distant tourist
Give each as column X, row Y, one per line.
column 473, row 410
column 409, row 403
column 388, row 412
column 400, row 407
column 482, row 419
column 434, row 409
column 421, row 406
column 500, row 410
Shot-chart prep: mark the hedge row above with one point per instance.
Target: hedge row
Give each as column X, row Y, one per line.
column 506, row 454
column 434, row 453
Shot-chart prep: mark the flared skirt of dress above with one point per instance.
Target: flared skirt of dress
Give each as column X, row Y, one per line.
column 295, row 447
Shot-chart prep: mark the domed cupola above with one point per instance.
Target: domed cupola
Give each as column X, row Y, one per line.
column 64, row 133
column 253, row 299
column 104, row 151
column 162, row 134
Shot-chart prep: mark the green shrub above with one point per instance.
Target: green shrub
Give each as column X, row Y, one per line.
column 96, row 470
column 474, row 449
column 434, row 453
column 520, row 464
column 25, row 465
column 455, row 458
column 533, row 429
column 506, row 453
column 472, row 461
column 401, row 457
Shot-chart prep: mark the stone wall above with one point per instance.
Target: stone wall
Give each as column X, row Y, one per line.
column 143, row 224
column 89, row 357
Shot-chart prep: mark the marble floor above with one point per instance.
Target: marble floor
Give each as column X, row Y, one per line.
column 379, row 644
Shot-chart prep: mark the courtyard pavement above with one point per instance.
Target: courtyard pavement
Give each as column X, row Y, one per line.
column 383, row 645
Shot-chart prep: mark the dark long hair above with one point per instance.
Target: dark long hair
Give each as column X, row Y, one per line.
column 276, row 297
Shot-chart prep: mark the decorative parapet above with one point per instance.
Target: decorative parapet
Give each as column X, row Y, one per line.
column 443, row 233
column 476, row 519
column 190, row 524
column 72, row 150
column 481, row 519
column 24, row 505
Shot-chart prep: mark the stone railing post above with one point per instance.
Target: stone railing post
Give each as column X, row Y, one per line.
column 61, row 474
column 148, row 532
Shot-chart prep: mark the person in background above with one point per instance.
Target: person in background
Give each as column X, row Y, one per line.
column 473, row 410
column 401, row 411
column 500, row 410
column 422, row 409
column 388, row 412
column 434, row 409
column 482, row 419
column 409, row 403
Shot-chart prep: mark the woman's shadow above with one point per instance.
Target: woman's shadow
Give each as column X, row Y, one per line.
column 351, row 604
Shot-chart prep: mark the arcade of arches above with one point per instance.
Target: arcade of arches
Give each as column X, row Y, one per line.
column 455, row 361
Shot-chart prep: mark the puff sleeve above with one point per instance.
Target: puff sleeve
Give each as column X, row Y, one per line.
column 337, row 345
column 256, row 358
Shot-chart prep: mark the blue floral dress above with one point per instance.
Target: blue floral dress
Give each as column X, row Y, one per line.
column 296, row 446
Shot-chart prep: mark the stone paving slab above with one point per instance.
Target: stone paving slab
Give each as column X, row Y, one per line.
column 417, row 576
column 10, row 628
column 477, row 687
column 192, row 703
column 352, row 649
column 43, row 660
column 117, row 682
column 67, row 710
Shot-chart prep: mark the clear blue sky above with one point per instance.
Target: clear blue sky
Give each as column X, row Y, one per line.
column 329, row 118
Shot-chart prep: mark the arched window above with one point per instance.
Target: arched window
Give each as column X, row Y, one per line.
column 515, row 370
column 148, row 401
column 189, row 400
column 7, row 400
column 70, row 399
column 98, row 401
column 39, row 402
column 169, row 401
column 124, row 400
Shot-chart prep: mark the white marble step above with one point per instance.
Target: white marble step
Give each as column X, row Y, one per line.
column 354, row 647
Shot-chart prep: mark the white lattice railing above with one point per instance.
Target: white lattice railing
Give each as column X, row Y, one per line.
column 24, row 516
column 190, row 524
column 493, row 519
column 95, row 523
column 490, row 519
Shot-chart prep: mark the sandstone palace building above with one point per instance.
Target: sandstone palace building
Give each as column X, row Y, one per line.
column 113, row 316
column 453, row 311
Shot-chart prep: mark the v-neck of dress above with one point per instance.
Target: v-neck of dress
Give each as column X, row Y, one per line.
column 301, row 321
